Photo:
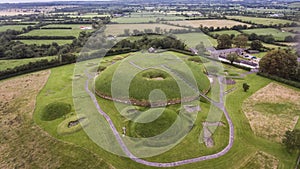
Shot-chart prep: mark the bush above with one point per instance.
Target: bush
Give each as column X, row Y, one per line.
column 55, row 110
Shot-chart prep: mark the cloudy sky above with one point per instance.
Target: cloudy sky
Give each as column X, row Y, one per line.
column 18, row 1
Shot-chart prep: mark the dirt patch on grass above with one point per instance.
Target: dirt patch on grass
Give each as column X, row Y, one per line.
column 261, row 160
column 25, row 145
column 272, row 111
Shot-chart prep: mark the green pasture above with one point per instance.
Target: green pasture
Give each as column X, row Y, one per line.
column 5, row 64
column 46, row 42
column 278, row 35
column 193, row 39
column 263, row 21
column 3, row 28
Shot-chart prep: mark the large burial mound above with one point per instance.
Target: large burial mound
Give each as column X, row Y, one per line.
column 137, row 77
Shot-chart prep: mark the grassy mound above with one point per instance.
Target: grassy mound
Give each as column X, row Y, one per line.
column 152, row 71
column 55, row 110
column 66, row 127
column 156, row 127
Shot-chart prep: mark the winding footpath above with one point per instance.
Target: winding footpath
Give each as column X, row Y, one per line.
column 220, row 105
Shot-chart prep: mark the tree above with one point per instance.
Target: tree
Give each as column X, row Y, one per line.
column 288, row 39
column 256, row 45
column 224, row 41
column 201, row 48
column 282, row 63
column 292, row 140
column 232, row 57
column 126, row 32
column 240, row 41
column 245, row 87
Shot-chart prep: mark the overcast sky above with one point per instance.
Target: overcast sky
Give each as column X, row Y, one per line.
column 18, row 1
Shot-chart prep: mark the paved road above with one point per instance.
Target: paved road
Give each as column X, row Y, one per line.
column 175, row 163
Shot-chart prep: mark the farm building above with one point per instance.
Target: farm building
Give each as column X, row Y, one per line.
column 151, row 50
column 225, row 52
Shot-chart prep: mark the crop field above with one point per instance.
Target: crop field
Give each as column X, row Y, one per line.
column 117, row 29
column 4, row 64
column 193, row 39
column 210, row 22
column 229, row 32
column 263, row 21
column 13, row 27
column 46, row 42
column 146, row 18
column 278, row 35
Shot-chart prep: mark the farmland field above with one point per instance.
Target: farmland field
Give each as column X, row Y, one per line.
column 117, row 29
column 193, row 39
column 210, row 22
column 13, row 27
column 75, row 31
column 4, row 64
column 229, row 32
column 295, row 29
column 145, row 19
column 278, row 35
column 263, row 21
column 46, row 42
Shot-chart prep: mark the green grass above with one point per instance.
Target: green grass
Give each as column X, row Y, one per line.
column 263, row 21
column 63, row 128
column 13, row 27
column 73, row 26
column 229, row 32
column 275, row 108
column 153, row 128
column 5, row 64
column 168, row 84
column 278, row 35
column 55, row 110
column 59, row 88
column 193, row 39
column 46, row 42
column 75, row 31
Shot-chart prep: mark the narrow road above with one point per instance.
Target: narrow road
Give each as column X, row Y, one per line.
column 220, row 105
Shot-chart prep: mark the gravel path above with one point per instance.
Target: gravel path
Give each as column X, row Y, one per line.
column 175, row 163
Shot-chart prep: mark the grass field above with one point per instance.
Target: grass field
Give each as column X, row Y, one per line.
column 4, row 64
column 193, row 39
column 246, row 143
column 229, row 32
column 145, row 18
column 278, row 35
column 13, row 27
column 75, row 31
column 46, row 42
column 213, row 22
column 296, row 29
column 73, row 26
column 117, row 29
column 42, row 150
column 87, row 15
column 263, row 21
